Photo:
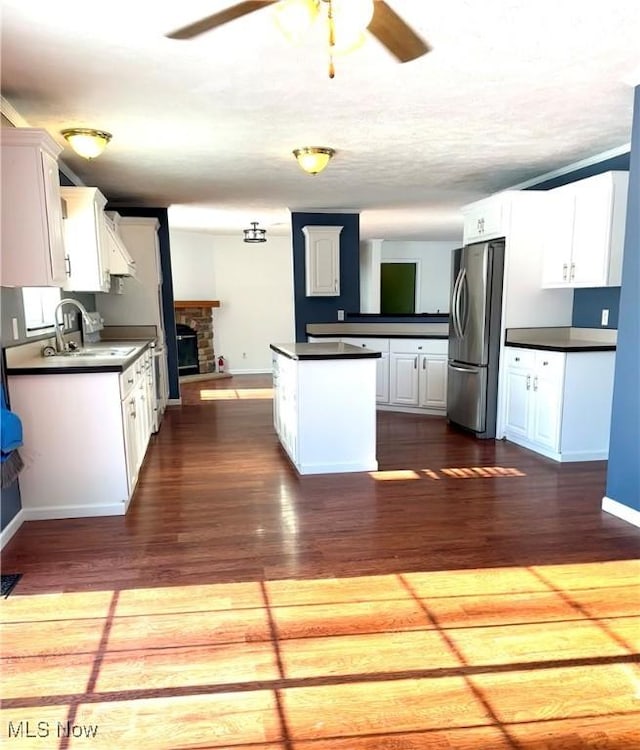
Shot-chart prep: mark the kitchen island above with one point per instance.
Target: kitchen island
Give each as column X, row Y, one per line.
column 324, row 406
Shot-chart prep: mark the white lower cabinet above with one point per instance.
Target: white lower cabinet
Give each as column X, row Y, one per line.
column 559, row 404
column 411, row 374
column 418, row 374
column 85, row 437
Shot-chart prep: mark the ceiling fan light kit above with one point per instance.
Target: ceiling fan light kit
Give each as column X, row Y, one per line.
column 87, row 142
column 254, row 234
column 346, row 22
column 313, row 159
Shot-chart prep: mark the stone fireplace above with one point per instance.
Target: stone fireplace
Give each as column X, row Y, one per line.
column 197, row 315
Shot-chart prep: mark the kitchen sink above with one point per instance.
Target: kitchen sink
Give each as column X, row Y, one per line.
column 112, row 351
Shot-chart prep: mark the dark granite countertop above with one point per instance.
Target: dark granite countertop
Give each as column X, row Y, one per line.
column 322, row 350
column 562, row 339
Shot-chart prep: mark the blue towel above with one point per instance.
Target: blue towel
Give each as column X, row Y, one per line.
column 10, row 428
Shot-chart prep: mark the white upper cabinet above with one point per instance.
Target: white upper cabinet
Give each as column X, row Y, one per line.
column 33, row 252
column 588, row 232
column 484, row 219
column 86, row 240
column 322, row 261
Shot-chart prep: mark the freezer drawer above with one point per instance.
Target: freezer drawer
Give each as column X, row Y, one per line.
column 467, row 396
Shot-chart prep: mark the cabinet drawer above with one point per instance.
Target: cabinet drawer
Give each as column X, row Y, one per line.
column 375, row 344
column 484, row 219
column 127, row 380
column 520, row 359
column 550, row 364
column 419, row 346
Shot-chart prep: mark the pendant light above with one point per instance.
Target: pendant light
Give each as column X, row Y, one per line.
column 254, row 234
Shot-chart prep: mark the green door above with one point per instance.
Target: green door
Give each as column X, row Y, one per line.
column 397, row 288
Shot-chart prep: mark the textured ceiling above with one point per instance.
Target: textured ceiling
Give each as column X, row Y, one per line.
column 511, row 90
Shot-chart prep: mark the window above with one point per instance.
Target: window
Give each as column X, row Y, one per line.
column 39, row 306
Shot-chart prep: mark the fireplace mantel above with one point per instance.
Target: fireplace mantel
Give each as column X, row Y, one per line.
column 181, row 304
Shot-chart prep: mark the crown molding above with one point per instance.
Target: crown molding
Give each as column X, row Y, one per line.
column 12, row 114
column 588, row 162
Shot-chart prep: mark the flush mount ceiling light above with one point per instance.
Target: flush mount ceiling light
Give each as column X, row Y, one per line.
column 313, row 159
column 254, row 234
column 87, row 142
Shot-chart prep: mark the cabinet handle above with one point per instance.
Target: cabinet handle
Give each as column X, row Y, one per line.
column 424, row 363
column 564, row 271
column 415, row 363
column 130, row 381
column 535, row 383
column 545, row 363
column 572, row 275
column 517, row 359
column 528, row 382
column 67, row 261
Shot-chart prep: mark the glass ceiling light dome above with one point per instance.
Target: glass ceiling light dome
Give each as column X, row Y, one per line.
column 254, row 234
column 313, row 159
column 87, row 142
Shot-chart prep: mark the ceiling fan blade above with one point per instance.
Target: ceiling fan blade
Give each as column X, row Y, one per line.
column 217, row 19
column 399, row 38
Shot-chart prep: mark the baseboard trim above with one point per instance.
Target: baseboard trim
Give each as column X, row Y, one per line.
column 10, row 529
column 174, row 402
column 73, row 511
column 258, row 371
column 619, row 510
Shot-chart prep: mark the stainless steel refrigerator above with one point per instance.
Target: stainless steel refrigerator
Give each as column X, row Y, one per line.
column 474, row 337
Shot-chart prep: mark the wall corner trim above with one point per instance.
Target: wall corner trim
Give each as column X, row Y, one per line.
column 10, row 529
column 630, row 515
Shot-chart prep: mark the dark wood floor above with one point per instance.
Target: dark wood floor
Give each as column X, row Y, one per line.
column 470, row 594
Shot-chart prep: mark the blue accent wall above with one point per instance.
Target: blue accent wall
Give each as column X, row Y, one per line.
column 618, row 163
column 623, row 474
column 325, row 309
column 162, row 215
column 588, row 305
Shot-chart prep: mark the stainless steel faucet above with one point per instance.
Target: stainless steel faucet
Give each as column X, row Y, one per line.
column 60, row 345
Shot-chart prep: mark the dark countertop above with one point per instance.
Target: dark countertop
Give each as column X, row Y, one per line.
column 75, row 364
column 562, row 339
column 380, row 330
column 321, row 350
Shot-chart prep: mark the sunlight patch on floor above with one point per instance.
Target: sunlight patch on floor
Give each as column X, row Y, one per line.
column 472, row 472
column 495, row 657
column 233, row 394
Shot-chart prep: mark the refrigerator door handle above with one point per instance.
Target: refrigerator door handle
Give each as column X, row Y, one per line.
column 454, row 306
column 462, row 317
column 462, row 368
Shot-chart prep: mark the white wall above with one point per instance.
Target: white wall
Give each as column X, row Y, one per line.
column 434, row 272
column 254, row 283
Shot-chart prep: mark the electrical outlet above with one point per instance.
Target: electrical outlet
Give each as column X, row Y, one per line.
column 244, row 355
column 604, row 321
column 340, row 314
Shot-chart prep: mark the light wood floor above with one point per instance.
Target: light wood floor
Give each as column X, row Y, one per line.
column 469, row 595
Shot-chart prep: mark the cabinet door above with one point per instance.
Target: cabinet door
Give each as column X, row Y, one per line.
column 433, row 381
column 32, row 239
column 483, row 220
column 518, row 403
column 53, row 205
column 547, row 389
column 86, row 240
column 592, row 232
column 322, row 261
column 129, row 419
column 403, row 379
column 382, row 379
column 558, row 242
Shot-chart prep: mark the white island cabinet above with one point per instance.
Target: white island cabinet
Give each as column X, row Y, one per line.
column 324, row 399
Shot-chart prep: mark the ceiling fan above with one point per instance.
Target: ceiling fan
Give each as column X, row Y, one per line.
column 385, row 24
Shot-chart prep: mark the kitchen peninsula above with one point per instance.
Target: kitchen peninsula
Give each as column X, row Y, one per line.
column 324, row 406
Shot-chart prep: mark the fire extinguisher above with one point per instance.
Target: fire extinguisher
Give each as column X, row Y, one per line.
column 220, row 363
